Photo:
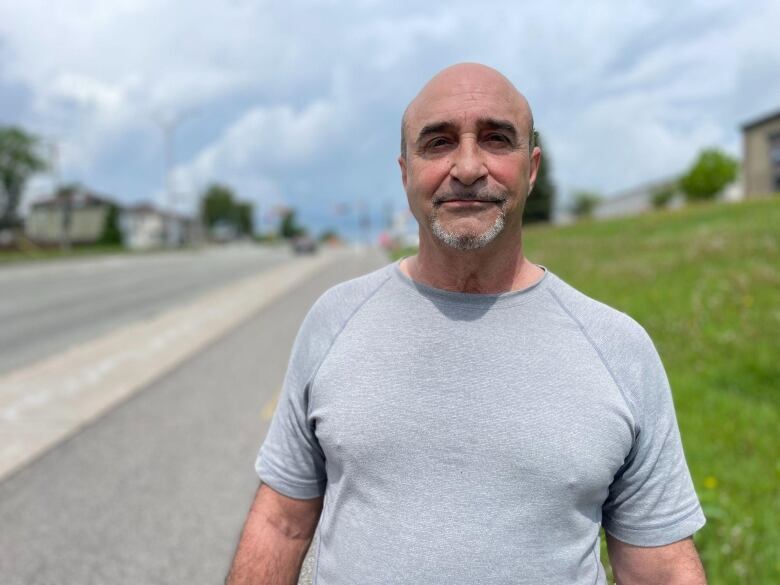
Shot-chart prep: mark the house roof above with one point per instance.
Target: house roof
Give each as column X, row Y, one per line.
column 643, row 189
column 80, row 198
column 143, row 208
column 762, row 120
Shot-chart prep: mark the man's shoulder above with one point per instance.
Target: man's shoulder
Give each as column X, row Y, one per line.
column 607, row 327
column 623, row 345
column 334, row 308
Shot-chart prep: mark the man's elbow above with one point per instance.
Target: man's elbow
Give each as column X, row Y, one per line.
column 289, row 528
column 290, row 518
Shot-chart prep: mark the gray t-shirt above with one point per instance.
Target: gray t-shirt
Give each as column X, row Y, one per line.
column 473, row 438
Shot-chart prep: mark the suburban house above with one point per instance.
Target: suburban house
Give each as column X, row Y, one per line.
column 638, row 199
column 761, row 164
column 73, row 215
column 145, row 227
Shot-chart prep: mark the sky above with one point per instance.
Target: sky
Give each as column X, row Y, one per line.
column 299, row 103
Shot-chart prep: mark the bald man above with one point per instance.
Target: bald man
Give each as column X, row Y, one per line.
column 464, row 416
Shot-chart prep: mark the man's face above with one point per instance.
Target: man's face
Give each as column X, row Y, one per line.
column 468, row 168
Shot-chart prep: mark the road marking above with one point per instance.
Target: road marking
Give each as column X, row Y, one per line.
column 45, row 402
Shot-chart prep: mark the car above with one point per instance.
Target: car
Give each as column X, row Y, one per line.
column 304, row 245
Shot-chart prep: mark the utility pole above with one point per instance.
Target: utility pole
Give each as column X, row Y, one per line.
column 364, row 222
column 60, row 195
column 169, row 125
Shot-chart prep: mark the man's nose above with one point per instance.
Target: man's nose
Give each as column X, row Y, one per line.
column 468, row 166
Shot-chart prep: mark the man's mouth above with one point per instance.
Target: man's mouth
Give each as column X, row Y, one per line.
column 467, row 201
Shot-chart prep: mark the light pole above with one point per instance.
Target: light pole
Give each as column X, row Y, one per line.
column 169, row 125
column 66, row 197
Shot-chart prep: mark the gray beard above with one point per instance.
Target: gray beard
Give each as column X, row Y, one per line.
column 466, row 241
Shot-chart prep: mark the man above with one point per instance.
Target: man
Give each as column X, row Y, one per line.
column 469, row 417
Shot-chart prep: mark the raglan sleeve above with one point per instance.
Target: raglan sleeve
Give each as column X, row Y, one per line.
column 290, row 459
column 652, row 500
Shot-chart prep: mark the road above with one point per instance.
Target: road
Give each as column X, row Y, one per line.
column 49, row 306
column 155, row 492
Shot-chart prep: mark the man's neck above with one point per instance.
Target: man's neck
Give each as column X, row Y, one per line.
column 499, row 267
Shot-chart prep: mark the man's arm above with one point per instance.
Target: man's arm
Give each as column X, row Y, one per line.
column 673, row 564
column 276, row 536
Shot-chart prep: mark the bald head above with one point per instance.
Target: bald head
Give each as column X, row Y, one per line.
column 465, row 84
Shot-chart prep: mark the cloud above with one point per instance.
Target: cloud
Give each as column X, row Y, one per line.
column 266, row 143
column 300, row 102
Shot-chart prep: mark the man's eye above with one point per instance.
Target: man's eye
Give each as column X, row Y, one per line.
column 437, row 143
column 498, row 138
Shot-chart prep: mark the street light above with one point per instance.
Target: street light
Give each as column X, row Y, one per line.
column 169, row 125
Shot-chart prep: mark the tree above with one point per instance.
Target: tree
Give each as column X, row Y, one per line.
column 540, row 203
column 217, row 205
column 330, row 235
column 112, row 235
column 662, row 196
column 289, row 227
column 584, row 203
column 711, row 172
column 244, row 213
column 220, row 206
column 19, row 160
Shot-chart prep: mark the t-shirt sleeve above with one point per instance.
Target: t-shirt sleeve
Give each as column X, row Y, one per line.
column 651, row 501
column 291, row 460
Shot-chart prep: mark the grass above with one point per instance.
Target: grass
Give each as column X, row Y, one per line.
column 705, row 283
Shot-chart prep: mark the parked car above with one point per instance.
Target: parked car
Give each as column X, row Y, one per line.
column 304, row 245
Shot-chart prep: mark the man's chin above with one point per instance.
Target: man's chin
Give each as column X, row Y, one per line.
column 467, row 226
column 466, row 237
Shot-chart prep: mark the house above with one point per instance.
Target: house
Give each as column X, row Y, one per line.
column 638, row 199
column 761, row 149
column 146, row 227
column 73, row 215
column 143, row 227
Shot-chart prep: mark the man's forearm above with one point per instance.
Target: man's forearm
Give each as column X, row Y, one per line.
column 267, row 556
column 276, row 536
column 688, row 575
column 674, row 564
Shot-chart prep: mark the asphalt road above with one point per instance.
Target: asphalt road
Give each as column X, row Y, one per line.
column 46, row 307
column 156, row 491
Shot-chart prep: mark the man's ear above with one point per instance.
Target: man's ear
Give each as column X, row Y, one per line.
column 536, row 161
column 402, row 164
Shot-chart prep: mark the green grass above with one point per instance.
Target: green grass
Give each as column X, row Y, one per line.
column 705, row 282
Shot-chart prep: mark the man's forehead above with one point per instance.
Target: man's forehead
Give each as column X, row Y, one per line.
column 464, row 95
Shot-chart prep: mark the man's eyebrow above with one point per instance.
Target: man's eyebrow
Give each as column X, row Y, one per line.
column 435, row 128
column 495, row 124
column 482, row 123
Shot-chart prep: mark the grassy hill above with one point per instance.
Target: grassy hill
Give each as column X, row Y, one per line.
column 705, row 282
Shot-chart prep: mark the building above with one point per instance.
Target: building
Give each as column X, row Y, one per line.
column 145, row 227
column 638, row 199
column 761, row 148
column 72, row 216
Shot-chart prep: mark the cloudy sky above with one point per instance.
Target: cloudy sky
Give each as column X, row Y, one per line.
column 295, row 103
